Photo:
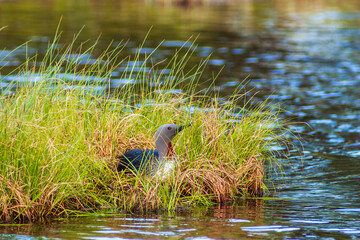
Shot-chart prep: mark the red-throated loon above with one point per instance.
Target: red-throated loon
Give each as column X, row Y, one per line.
column 150, row 160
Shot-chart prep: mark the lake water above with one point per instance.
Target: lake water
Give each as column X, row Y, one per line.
column 302, row 54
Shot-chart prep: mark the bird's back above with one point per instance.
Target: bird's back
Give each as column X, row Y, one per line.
column 138, row 160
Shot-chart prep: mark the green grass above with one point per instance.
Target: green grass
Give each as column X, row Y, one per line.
column 58, row 145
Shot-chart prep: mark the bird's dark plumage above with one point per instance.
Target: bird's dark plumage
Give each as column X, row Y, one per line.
column 137, row 159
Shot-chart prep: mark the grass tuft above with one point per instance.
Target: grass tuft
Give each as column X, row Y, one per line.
column 65, row 124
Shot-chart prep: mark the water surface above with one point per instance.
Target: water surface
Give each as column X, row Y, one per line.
column 301, row 54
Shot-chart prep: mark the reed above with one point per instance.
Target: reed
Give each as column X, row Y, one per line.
column 60, row 138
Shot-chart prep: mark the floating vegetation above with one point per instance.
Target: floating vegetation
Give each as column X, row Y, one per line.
column 64, row 120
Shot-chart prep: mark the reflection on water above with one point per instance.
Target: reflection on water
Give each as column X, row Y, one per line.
column 303, row 54
column 256, row 219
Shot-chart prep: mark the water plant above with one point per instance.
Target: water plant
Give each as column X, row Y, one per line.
column 67, row 120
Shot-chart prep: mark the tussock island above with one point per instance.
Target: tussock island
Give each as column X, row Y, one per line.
column 61, row 139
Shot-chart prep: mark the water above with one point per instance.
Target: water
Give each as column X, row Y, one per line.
column 301, row 54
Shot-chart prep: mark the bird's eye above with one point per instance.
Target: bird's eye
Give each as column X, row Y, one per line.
column 169, row 128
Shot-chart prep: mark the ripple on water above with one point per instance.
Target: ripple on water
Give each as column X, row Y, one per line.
column 118, row 83
column 5, row 53
column 217, row 62
column 237, row 51
column 342, row 230
column 309, row 221
column 324, row 94
column 297, row 128
column 230, row 84
column 270, row 228
column 163, row 71
column 31, row 78
column 279, row 71
column 348, row 210
column 136, row 226
column 75, row 57
column 205, row 49
column 4, row 63
column 236, row 220
column 204, row 54
column 279, row 97
column 346, row 127
column 199, row 238
column 149, row 233
column 252, row 60
column 334, row 139
column 351, row 66
column 82, row 59
column 138, row 219
column 345, row 83
column 247, row 69
column 277, row 82
column 176, row 43
column 4, row 84
column 323, row 124
column 352, row 146
column 223, row 50
column 142, row 50
column 270, row 57
column 297, row 57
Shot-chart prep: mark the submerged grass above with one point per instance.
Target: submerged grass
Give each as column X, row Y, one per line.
column 60, row 139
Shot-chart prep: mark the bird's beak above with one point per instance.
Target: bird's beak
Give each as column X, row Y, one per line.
column 182, row 127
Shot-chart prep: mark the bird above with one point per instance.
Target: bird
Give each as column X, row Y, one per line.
column 149, row 161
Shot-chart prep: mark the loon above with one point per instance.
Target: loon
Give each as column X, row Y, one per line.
column 150, row 160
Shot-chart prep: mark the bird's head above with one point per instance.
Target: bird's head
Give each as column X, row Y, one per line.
column 165, row 134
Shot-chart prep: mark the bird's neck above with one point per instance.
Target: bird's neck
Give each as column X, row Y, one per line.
column 165, row 150
column 170, row 151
